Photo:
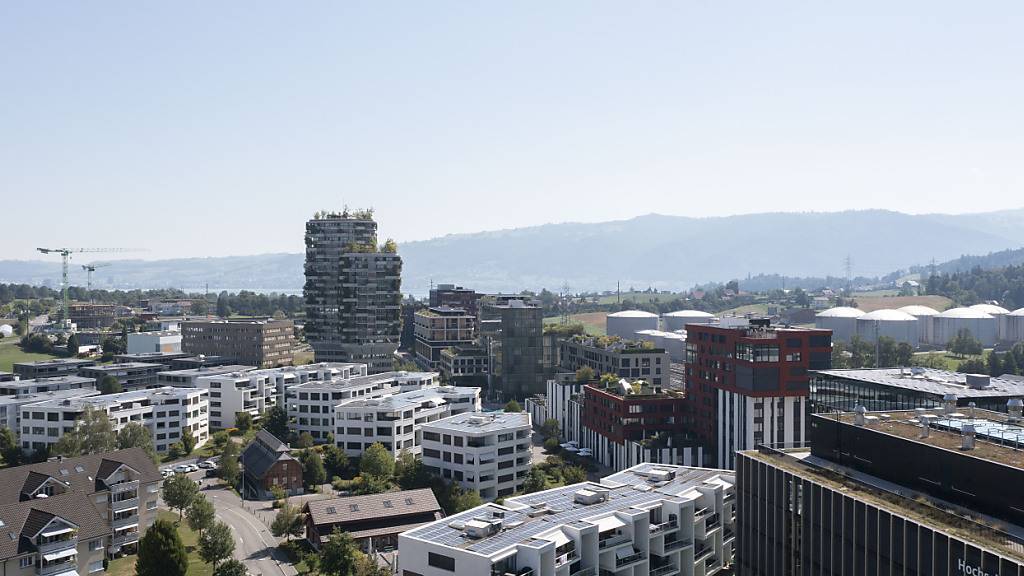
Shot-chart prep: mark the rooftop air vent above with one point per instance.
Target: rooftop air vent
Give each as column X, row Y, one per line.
column 858, row 415
column 477, row 528
column 1015, row 407
column 967, row 437
column 587, row 496
column 978, row 381
column 949, row 403
column 661, row 474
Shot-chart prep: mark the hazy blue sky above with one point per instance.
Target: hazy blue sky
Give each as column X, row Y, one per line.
column 213, row 128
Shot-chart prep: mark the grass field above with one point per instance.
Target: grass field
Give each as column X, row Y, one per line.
column 640, row 297
column 869, row 303
column 951, row 361
column 593, row 322
column 196, row 567
column 748, row 309
column 10, row 353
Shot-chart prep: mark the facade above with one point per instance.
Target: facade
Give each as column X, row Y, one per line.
column 652, row 519
column 66, row 517
column 454, row 297
column 623, row 358
column 488, row 453
column 168, row 413
column 146, row 342
column 353, row 292
column 267, row 462
column 897, row 325
column 131, row 375
column 260, row 343
column 560, row 389
column 519, row 355
column 439, row 328
column 251, row 392
column 373, row 521
column 10, row 406
column 39, row 385
column 87, row 316
column 201, row 361
column 51, row 368
column 190, row 378
column 895, row 492
column 465, row 365
column 748, row 385
column 163, row 358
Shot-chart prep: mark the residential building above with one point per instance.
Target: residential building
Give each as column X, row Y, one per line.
column 610, row 355
column 164, row 358
column 626, row 422
column 465, row 365
column 454, row 296
column 560, row 389
column 518, row 356
column 748, row 385
column 166, row 342
column 925, row 491
column 10, row 406
column 353, row 292
column 260, row 343
column 488, row 453
column 267, row 462
column 7, row 376
column 652, row 519
column 190, row 378
column 396, row 421
column 67, row 516
column 131, row 375
column 907, row 388
column 167, row 412
column 537, row 407
column 439, row 328
column 38, row 385
column 407, row 338
column 373, row 521
column 51, row 368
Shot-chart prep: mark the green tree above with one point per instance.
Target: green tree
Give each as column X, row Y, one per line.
column 73, row 345
column 995, row 367
column 377, row 462
column 904, row 354
column 231, row 568
column 551, row 445
column 585, row 374
column 1010, row 365
column 179, row 492
column 9, row 449
column 220, row 439
column 243, row 421
column 964, row 344
column 227, row 467
column 188, row 442
column 216, row 544
column 161, row 552
column 276, row 422
column 201, row 514
column 313, row 473
column 335, row 460
column 535, row 481
column 110, row 385
column 513, row 406
column 288, row 522
column 135, row 435
column 573, row 474
column 372, row 485
column 862, row 353
column 305, row 440
column 93, row 435
column 839, row 356
column 972, row 366
column 223, row 305
column 550, row 428
column 338, row 555
column 458, row 499
column 886, row 348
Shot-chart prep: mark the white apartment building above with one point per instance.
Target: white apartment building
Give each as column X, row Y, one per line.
column 488, row 453
column 648, row 520
column 253, row 392
column 560, row 389
column 190, row 378
column 167, row 412
column 396, row 420
column 10, row 406
column 745, row 421
column 38, row 385
column 145, row 342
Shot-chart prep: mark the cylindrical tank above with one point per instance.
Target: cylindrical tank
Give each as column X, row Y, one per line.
column 653, row 336
column 1013, row 326
column 626, row 323
column 925, row 321
column 984, row 327
column 998, row 312
column 680, row 318
column 841, row 320
column 675, row 345
column 895, row 324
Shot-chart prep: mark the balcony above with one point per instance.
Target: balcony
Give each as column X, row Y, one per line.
column 621, row 561
column 664, row 570
column 121, row 523
column 664, row 527
column 124, row 486
column 675, row 545
column 58, row 567
column 55, row 545
column 126, row 504
column 567, row 558
column 701, row 550
column 592, row 571
column 614, row 541
column 124, row 538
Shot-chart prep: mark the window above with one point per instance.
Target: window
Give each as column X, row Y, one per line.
column 151, row 505
column 95, row 545
column 441, row 561
column 96, row 566
column 25, row 562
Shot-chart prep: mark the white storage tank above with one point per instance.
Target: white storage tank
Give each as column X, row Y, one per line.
column 984, row 327
column 895, row 324
column 680, row 318
column 841, row 320
column 675, row 345
column 627, row 323
column 998, row 312
column 1013, row 326
column 925, row 321
column 655, row 337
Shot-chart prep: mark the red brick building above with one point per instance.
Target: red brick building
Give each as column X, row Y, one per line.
column 267, row 462
column 747, row 385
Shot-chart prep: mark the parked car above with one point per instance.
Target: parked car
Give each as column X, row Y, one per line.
column 182, row 469
column 207, row 465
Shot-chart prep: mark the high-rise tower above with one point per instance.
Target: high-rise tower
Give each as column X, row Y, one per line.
column 353, row 291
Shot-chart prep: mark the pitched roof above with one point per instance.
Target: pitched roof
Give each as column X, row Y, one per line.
column 27, row 518
column 271, row 441
column 79, row 474
column 357, row 508
column 258, row 458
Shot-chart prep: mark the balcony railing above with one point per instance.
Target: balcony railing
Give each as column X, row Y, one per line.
column 592, row 571
column 701, row 550
column 663, row 570
column 614, row 541
column 634, row 557
column 567, row 558
column 57, row 567
column 124, row 486
column 125, row 504
column 125, row 538
column 676, row 544
column 57, row 545
column 123, row 522
column 664, row 526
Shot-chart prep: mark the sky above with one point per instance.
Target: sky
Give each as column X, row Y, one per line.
column 218, row 128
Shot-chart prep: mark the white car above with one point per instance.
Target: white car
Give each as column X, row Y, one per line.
column 182, row 469
column 585, row 452
column 166, row 472
column 207, row 465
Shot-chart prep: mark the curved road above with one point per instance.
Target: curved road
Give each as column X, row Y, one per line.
column 255, row 545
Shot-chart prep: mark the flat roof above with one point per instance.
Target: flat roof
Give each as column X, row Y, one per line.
column 630, row 488
column 124, row 365
column 55, row 361
column 46, row 380
column 931, row 381
column 208, row 370
column 342, row 382
column 51, row 395
column 107, row 399
column 404, row 400
column 482, row 422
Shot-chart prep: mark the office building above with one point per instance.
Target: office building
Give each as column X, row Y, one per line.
column 488, row 453
column 373, row 521
column 608, row 355
column 925, row 491
column 465, row 365
column 166, row 342
column 260, row 343
column 51, row 368
column 167, row 412
column 748, row 385
column 68, row 516
column 202, row 361
column 38, row 385
column 131, row 375
column 267, row 462
column 353, row 292
column 454, row 296
column 439, row 328
column 652, row 519
column 517, row 352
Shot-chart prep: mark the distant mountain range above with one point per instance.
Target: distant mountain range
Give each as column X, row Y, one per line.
column 666, row 252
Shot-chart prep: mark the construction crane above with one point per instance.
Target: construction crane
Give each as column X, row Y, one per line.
column 66, row 257
column 89, row 269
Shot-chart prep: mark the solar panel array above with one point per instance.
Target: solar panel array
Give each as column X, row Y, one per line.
column 984, row 429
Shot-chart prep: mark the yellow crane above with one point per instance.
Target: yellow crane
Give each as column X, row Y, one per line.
column 66, row 257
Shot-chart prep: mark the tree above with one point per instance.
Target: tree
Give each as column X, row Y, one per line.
column 93, row 435
column 201, row 514
column 964, row 344
column 550, row 428
column 135, row 435
column 972, row 366
column 535, row 481
column 335, row 460
column 313, row 473
column 231, row 568
column 223, row 306
column 73, row 345
column 573, row 474
column 188, row 442
column 161, row 552
column 365, row 566
column 585, row 374
column 904, row 354
column 305, row 440
column 377, row 462
column 458, row 499
column 227, row 467
column 216, row 544
column 276, row 422
column 372, row 485
column 9, row 448
column 288, row 522
column 179, row 492
column 220, row 439
column 338, row 555
column 551, row 445
column 995, row 367
column 1010, row 365
column 513, row 406
column 243, row 421
column 110, row 385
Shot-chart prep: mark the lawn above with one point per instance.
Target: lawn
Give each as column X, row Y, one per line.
column 641, row 297
column 593, row 322
column 748, row 309
column 10, row 353
column 952, row 362
column 196, row 567
column 871, row 303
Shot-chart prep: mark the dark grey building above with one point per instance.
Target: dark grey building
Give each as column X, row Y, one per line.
column 353, row 292
column 51, row 368
column 518, row 350
column 131, row 375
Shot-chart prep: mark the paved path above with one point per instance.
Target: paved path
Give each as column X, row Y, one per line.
column 255, row 545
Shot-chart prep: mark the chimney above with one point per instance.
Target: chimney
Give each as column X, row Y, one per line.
column 858, row 415
column 949, row 404
column 1014, row 406
column 967, row 437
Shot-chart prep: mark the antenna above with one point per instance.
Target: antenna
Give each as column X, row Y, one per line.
column 566, row 300
column 848, row 266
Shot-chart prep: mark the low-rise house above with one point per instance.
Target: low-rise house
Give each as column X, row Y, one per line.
column 267, row 462
column 373, row 521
